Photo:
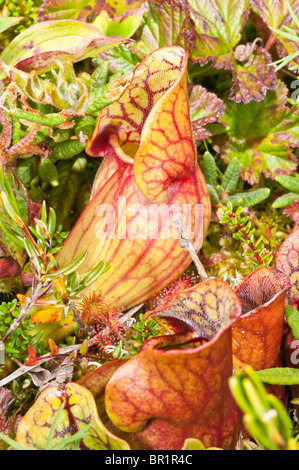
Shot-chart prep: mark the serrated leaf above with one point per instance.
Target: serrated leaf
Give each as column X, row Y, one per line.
column 99, row 77
column 218, row 28
column 121, row 58
column 205, row 108
column 162, row 25
column 261, row 135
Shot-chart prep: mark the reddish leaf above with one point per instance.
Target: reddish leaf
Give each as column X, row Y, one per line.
column 205, row 108
column 31, row 360
column 292, row 211
column 165, row 23
column 288, row 261
column 216, row 38
column 257, row 335
column 7, row 425
column 9, row 268
column 291, row 354
column 53, row 348
column 96, row 382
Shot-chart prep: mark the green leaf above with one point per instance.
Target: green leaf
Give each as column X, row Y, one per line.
column 292, row 316
column 85, row 124
column 231, row 176
column 289, row 182
column 68, row 149
column 8, row 21
column 248, row 199
column 51, row 225
column 123, row 25
column 63, row 197
column 213, row 194
column 279, row 376
column 68, row 269
column 121, row 6
column 193, row 444
column 11, row 209
column 48, row 172
column 285, row 200
column 13, row 444
column 92, row 275
column 209, row 169
column 121, row 58
column 99, row 77
column 39, row 46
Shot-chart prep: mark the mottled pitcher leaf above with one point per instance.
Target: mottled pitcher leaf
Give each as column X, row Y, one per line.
column 257, row 335
column 176, row 388
column 205, row 307
column 288, row 261
column 79, row 411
